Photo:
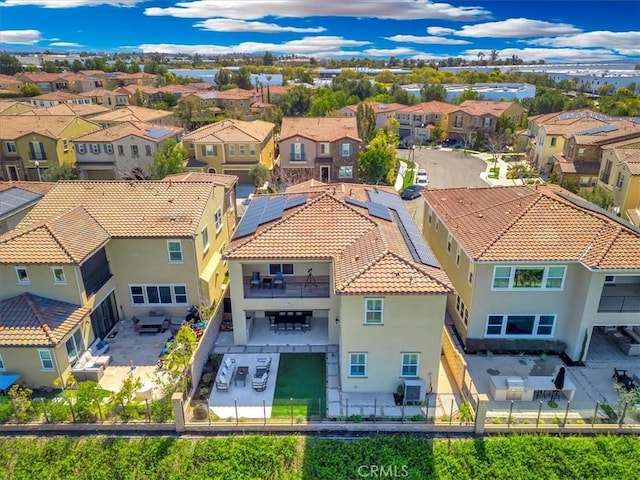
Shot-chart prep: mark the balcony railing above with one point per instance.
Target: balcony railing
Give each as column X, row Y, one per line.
column 37, row 156
column 620, row 298
column 294, row 287
column 297, row 157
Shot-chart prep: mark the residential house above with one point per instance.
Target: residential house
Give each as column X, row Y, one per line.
column 108, row 98
column 272, row 94
column 12, row 107
column 347, row 263
column 231, row 147
column 56, row 98
column 480, row 117
column 31, row 143
column 69, row 109
column 237, row 100
column 9, row 85
column 620, row 174
column 535, row 268
column 580, row 159
column 17, row 199
column 90, row 254
column 115, row 152
column 83, row 81
column 324, row 148
column 114, row 80
column 47, row 82
column 547, row 133
column 417, row 121
column 132, row 113
column 384, row 112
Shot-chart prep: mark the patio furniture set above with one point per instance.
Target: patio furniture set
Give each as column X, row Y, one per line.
column 229, row 372
column 625, row 380
column 267, row 282
column 292, row 322
column 155, row 322
column 92, row 363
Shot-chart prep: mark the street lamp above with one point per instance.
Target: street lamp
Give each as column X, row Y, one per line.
column 37, row 164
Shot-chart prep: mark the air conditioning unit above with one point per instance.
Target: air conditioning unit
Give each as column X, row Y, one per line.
column 414, row 390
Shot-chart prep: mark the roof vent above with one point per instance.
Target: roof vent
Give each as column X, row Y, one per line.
column 480, row 215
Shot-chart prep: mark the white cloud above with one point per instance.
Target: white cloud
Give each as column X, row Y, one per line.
column 313, row 46
column 434, row 40
column 440, row 31
column 230, row 25
column 64, row 44
column 20, row 37
column 388, row 52
column 516, row 28
column 69, row 3
column 255, row 9
column 549, row 54
column 625, row 43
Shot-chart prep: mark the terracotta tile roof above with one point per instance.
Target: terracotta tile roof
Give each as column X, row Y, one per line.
column 130, row 209
column 132, row 113
column 583, row 168
column 231, row 130
column 101, row 92
column 307, row 186
column 38, row 77
column 525, row 223
column 69, row 109
column 147, row 131
column 567, row 118
column 276, row 89
column 320, row 129
column 484, row 107
column 624, row 129
column 13, row 127
column 236, row 94
column 40, row 188
column 61, row 96
column 227, row 181
column 369, row 254
column 428, row 108
column 67, row 239
column 29, row 320
column 576, row 125
column 7, row 104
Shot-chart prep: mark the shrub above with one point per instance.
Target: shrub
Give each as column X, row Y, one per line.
column 496, row 420
column 580, row 421
column 207, row 379
column 417, row 418
column 445, row 418
column 526, row 421
column 541, row 421
column 555, row 421
column 201, row 411
column 162, row 410
column 299, row 419
column 57, row 410
column 466, row 412
column 355, row 418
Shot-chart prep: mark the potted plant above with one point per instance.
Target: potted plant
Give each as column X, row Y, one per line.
column 398, row 397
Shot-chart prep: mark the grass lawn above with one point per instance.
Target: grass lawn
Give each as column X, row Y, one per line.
column 301, row 376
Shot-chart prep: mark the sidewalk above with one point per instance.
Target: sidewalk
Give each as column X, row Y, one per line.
column 502, row 179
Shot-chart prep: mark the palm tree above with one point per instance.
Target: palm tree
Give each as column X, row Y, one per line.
column 494, row 56
column 480, row 57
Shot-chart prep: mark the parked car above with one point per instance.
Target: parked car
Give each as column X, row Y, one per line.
column 422, row 178
column 411, row 192
column 452, row 143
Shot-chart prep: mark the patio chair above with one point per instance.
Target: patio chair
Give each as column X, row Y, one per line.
column 259, row 384
column 279, row 280
column 255, row 279
column 263, row 366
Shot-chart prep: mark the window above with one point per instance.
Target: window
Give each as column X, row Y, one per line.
column 449, row 243
column 205, row 239
column 486, row 121
column 46, row 362
column 458, row 255
column 75, row 346
column 23, row 275
column 285, row 268
column 345, row 149
column 297, row 152
column 121, row 150
column 553, row 141
column 620, row 181
column 457, row 122
column 357, row 364
column 604, row 176
column 528, row 277
column 108, row 148
column 11, row 147
column 2, row 367
column 409, row 366
column 95, row 148
column 437, row 226
column 218, row 219
column 466, row 316
column 581, row 152
column 58, row 275
column 134, row 150
column 36, row 151
column 471, row 270
column 81, row 148
column 325, row 148
column 174, row 247
column 210, row 150
column 345, row 172
column 429, row 217
column 232, row 150
column 252, row 150
column 373, row 311
column 158, row 295
column 147, row 150
column 241, row 150
column 520, row 325
column 65, row 145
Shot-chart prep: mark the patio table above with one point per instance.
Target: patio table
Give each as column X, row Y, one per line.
column 241, row 375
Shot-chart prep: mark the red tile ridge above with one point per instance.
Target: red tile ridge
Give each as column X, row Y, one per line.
column 36, row 311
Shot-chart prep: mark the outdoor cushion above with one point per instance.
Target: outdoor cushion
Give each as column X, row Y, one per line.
column 224, row 371
column 228, row 362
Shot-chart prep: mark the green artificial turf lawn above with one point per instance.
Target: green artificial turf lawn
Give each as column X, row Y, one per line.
column 303, row 377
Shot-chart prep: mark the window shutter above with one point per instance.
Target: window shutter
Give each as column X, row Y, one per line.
column 293, row 151
column 302, row 151
column 32, row 151
column 204, row 150
column 350, row 149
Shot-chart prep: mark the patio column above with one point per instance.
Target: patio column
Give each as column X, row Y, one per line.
column 178, row 411
column 481, row 412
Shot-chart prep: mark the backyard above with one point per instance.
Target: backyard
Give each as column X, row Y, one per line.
column 301, row 377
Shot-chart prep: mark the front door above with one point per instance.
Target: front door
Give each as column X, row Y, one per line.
column 325, row 174
column 12, row 172
column 105, row 316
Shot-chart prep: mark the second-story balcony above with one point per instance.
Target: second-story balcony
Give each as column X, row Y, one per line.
column 620, row 298
column 292, row 287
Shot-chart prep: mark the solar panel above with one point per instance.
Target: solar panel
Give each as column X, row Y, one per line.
column 379, row 211
column 295, row 201
column 251, row 218
column 157, row 132
column 600, row 129
column 273, row 209
column 15, row 198
column 357, row 203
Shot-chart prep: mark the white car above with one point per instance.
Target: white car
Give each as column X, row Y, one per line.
column 422, row 178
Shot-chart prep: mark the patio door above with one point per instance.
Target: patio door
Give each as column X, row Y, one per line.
column 105, row 316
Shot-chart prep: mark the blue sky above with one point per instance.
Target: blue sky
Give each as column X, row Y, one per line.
column 552, row 30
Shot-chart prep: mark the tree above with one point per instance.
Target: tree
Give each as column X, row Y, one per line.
column 242, row 78
column 76, row 66
column 180, row 351
column 467, row 94
column 598, row 195
column 494, row 56
column 170, row 99
column 267, row 58
column 434, row 91
column 495, row 143
column 9, row 65
column 259, row 174
column 296, row 102
column 30, row 90
column 61, row 171
column 169, row 160
column 379, row 161
column 222, row 78
column 481, row 56
column 366, row 119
